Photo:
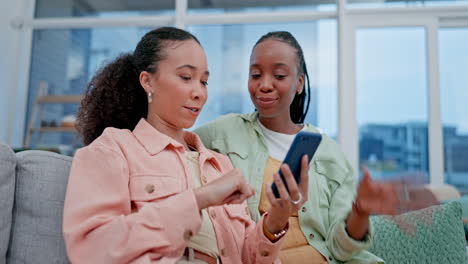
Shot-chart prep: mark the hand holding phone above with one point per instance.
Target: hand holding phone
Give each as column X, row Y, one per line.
column 305, row 143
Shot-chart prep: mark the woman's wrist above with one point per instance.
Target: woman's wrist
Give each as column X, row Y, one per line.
column 274, row 236
column 200, row 197
column 358, row 211
column 274, row 224
column 357, row 223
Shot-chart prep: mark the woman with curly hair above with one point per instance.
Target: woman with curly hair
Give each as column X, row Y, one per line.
column 143, row 190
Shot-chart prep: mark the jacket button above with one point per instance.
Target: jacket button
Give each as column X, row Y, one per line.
column 330, row 258
column 149, row 188
column 311, row 236
column 188, row 234
column 265, row 253
column 304, row 209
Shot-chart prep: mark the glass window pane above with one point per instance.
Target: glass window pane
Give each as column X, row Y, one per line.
column 454, row 107
column 228, row 48
column 102, row 8
column 224, row 6
column 403, row 3
column 392, row 102
column 65, row 61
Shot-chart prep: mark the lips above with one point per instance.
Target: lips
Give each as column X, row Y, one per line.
column 193, row 109
column 265, row 101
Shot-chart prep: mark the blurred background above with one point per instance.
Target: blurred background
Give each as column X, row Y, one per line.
column 389, row 78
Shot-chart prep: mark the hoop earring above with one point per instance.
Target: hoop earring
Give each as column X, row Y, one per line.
column 150, row 97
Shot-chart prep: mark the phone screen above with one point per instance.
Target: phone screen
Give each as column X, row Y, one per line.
column 303, row 143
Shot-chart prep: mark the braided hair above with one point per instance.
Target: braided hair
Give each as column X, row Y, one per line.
column 299, row 107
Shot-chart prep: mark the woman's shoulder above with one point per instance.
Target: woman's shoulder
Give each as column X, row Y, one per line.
column 224, row 126
column 111, row 140
column 227, row 121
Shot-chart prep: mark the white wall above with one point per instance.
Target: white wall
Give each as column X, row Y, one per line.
column 12, row 74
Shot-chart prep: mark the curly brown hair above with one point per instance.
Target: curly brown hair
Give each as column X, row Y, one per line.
column 115, row 97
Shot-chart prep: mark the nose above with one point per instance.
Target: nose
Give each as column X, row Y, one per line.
column 266, row 84
column 198, row 92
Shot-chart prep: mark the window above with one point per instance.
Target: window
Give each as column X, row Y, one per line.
column 392, row 102
column 66, row 60
column 228, row 49
column 102, row 8
column 403, row 3
column 226, row 6
column 454, row 107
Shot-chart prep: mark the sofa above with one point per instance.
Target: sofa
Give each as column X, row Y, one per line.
column 32, row 191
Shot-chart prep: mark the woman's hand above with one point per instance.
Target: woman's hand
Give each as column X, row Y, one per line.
column 230, row 188
column 372, row 198
column 376, row 197
column 288, row 203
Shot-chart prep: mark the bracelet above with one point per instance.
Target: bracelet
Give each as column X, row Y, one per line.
column 276, row 236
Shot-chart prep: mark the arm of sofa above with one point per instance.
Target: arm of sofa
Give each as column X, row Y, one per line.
column 443, row 192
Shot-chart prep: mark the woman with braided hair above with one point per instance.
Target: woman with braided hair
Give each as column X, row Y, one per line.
column 326, row 226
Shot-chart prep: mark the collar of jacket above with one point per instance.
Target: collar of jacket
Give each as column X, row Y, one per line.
column 154, row 141
column 252, row 118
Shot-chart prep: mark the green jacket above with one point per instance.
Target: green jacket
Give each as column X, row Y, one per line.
column 331, row 191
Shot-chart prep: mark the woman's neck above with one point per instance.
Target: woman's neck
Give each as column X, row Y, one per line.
column 281, row 125
column 168, row 129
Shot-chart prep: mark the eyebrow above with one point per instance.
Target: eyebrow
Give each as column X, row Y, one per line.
column 192, row 68
column 276, row 64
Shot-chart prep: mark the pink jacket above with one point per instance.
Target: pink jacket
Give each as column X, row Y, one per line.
column 130, row 200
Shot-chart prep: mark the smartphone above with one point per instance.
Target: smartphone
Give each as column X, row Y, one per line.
column 304, row 143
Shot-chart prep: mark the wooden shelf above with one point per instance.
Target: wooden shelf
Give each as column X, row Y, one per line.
column 54, row 129
column 59, row 99
column 40, row 103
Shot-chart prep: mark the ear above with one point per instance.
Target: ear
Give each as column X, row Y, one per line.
column 145, row 81
column 300, row 84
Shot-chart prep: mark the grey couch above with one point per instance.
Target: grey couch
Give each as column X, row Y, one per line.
column 32, row 191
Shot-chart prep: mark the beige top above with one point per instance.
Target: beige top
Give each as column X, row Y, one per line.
column 205, row 240
column 295, row 249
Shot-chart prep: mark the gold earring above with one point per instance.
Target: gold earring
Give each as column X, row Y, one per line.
column 150, row 97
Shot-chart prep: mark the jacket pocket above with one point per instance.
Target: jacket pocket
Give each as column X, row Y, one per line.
column 239, row 212
column 153, row 187
column 330, row 176
column 239, row 221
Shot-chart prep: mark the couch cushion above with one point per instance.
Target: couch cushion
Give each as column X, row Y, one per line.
column 464, row 202
column 36, row 234
column 7, row 194
column 430, row 235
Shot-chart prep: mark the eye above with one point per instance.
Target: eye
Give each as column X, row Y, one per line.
column 204, row 83
column 186, row 78
column 255, row 76
column 280, row 77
